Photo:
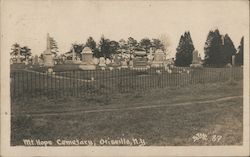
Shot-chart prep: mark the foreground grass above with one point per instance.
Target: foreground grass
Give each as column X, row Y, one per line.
column 170, row 125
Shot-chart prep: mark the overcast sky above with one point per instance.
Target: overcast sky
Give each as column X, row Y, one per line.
column 28, row 22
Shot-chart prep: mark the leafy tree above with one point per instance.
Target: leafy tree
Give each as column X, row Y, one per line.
column 184, row 50
column 228, row 50
column 123, row 44
column 114, row 46
column 212, row 49
column 158, row 44
column 92, row 45
column 104, row 46
column 132, row 43
column 77, row 48
column 165, row 40
column 240, row 54
column 146, row 44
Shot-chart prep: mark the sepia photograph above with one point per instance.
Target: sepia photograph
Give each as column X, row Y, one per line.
column 138, row 75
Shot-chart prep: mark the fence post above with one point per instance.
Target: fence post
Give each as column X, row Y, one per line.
column 73, row 82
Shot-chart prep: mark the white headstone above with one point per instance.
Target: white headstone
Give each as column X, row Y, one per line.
column 102, row 62
column 108, row 61
column 95, row 61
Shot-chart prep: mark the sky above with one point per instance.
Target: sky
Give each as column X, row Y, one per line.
column 27, row 22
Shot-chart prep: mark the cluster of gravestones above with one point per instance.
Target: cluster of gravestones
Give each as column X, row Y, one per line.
column 139, row 60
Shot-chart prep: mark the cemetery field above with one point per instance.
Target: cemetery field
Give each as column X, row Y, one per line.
column 162, row 116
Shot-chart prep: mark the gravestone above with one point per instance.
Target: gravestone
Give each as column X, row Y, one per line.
column 196, row 62
column 87, row 60
column 73, row 54
column 102, row 62
column 117, row 60
column 140, row 60
column 96, row 61
column 108, row 61
column 35, row 60
column 18, row 60
column 159, row 58
column 47, row 55
column 124, row 63
column 233, row 60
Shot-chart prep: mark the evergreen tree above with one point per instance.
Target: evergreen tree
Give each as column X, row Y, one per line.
column 184, row 50
column 240, row 54
column 212, row 49
column 53, row 46
column 228, row 50
column 25, row 52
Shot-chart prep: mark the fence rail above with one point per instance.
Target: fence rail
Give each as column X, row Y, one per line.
column 27, row 84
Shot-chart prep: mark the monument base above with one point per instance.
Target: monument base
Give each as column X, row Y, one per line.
column 156, row 64
column 196, row 66
column 102, row 65
column 87, row 67
column 124, row 66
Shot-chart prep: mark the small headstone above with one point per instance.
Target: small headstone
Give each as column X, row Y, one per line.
column 35, row 60
column 117, row 60
column 95, row 61
column 102, row 62
column 124, row 63
column 233, row 60
column 108, row 61
column 50, row 70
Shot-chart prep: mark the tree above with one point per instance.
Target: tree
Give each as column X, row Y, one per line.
column 158, row 44
column 104, row 46
column 92, row 45
column 14, row 50
column 240, row 54
column 132, row 43
column 184, row 54
column 25, row 52
column 165, row 40
column 114, row 46
column 77, row 48
column 53, row 46
column 146, row 44
column 228, row 50
column 212, row 49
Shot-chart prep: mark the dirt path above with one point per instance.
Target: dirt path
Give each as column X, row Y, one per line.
column 74, row 112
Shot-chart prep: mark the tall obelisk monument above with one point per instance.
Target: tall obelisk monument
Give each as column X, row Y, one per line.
column 48, row 58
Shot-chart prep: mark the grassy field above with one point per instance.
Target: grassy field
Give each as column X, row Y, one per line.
column 180, row 115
